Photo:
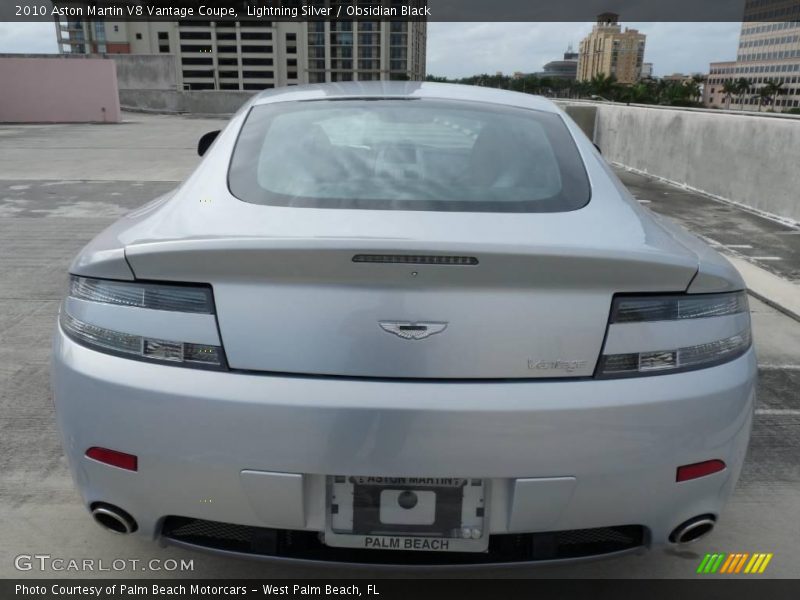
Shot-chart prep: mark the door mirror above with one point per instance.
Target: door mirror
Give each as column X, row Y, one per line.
column 205, row 142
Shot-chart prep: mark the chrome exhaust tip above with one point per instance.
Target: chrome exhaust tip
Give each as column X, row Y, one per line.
column 113, row 518
column 693, row 529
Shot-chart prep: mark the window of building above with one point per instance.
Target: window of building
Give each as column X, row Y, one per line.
column 291, row 62
column 258, row 49
column 291, row 74
column 163, row 48
column 198, row 73
column 258, row 74
column 291, row 37
column 163, row 35
column 228, row 61
column 138, row 36
column 256, row 35
column 257, row 86
column 195, row 35
column 257, row 62
column 116, row 28
column 203, row 49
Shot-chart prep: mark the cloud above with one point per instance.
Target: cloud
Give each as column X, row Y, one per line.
column 463, row 49
column 30, row 38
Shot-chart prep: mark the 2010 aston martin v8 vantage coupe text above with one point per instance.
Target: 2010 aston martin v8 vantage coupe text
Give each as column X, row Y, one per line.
column 403, row 323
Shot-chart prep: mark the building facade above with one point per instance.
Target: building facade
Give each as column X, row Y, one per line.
column 610, row 51
column 566, row 69
column 255, row 55
column 768, row 52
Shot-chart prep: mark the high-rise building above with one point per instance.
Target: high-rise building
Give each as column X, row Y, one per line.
column 609, row 50
column 768, row 51
column 254, row 55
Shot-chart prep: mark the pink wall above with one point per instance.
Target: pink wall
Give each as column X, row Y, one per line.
column 58, row 90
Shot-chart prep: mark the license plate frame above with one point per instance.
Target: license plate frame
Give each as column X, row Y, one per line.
column 354, row 511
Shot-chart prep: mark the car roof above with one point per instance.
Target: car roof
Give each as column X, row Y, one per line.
column 403, row 89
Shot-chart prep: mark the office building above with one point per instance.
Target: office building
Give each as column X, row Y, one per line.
column 610, row 51
column 254, row 55
column 768, row 51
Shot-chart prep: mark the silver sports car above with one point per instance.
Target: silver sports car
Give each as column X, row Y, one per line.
column 403, row 323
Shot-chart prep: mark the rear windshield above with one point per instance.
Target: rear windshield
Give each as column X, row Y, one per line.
column 407, row 155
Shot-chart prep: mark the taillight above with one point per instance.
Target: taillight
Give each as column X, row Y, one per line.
column 655, row 335
column 169, row 324
column 155, row 296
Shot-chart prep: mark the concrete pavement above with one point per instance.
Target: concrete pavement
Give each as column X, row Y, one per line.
column 144, row 147
column 46, row 215
column 765, row 251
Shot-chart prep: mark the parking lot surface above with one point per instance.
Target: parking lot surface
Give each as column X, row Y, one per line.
column 61, row 184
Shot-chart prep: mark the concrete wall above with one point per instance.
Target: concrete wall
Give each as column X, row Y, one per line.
column 58, row 90
column 200, row 102
column 752, row 160
column 146, row 71
column 584, row 116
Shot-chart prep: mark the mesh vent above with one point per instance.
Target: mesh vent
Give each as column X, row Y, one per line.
column 528, row 547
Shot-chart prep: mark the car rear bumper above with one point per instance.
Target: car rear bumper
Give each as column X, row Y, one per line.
column 560, row 455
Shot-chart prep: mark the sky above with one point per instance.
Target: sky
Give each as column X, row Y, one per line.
column 463, row 49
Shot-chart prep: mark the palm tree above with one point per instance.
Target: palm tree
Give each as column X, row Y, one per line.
column 602, row 84
column 743, row 86
column 773, row 89
column 764, row 94
column 692, row 90
column 695, row 83
column 729, row 88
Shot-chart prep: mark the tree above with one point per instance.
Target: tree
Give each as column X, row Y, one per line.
column 772, row 90
column 695, row 83
column 729, row 88
column 764, row 94
column 603, row 85
column 743, row 86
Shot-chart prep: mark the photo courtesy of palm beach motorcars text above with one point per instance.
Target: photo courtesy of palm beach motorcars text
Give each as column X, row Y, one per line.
column 168, row 590
column 399, row 298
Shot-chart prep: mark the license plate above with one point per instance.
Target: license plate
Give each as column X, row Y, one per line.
column 441, row 514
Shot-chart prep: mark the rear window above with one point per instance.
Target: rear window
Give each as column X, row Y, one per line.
column 415, row 154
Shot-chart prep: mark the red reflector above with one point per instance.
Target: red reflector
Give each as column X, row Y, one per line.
column 113, row 458
column 700, row 469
